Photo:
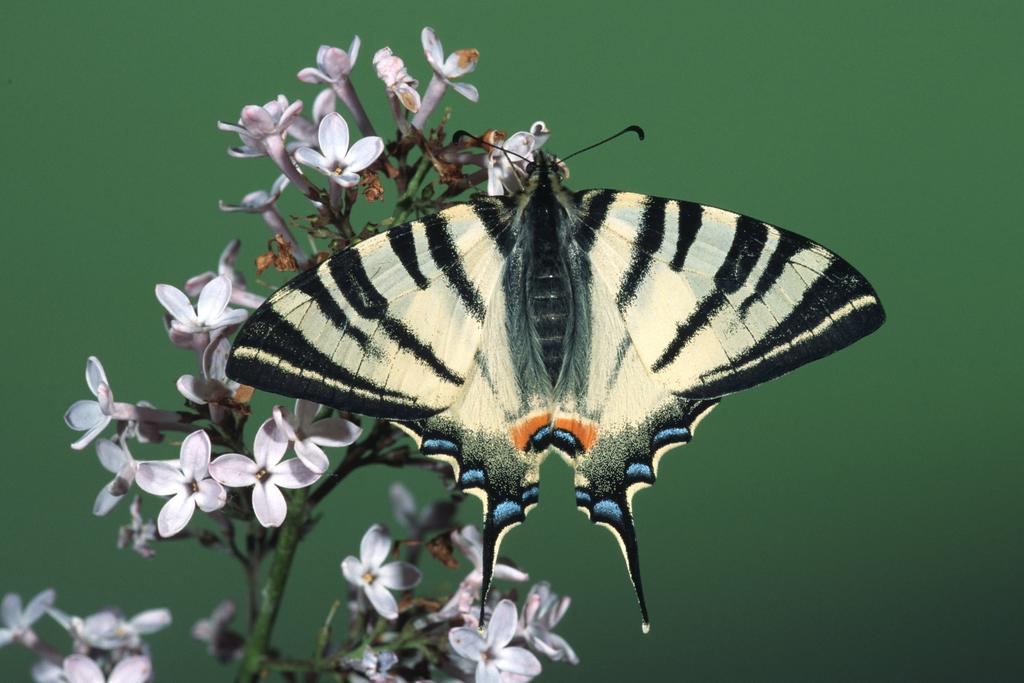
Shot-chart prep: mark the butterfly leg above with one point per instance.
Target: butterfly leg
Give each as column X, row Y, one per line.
column 623, row 461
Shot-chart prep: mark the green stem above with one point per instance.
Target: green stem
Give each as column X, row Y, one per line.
column 273, row 589
column 404, row 205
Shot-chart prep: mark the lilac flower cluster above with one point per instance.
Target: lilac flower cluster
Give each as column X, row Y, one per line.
column 105, row 646
column 243, row 486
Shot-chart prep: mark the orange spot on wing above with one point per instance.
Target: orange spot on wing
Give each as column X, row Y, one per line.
column 522, row 431
column 584, row 430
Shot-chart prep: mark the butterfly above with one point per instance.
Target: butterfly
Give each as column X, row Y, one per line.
column 602, row 325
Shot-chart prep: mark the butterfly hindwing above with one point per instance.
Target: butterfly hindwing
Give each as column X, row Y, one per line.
column 389, row 328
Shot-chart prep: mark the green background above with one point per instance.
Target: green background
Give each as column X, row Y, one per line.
column 858, row 520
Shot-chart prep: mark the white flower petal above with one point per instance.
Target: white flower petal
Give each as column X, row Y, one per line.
column 403, row 505
column 84, row 415
column 211, row 495
column 374, row 547
column 151, row 621
column 488, row 672
column 131, row 670
column 363, row 153
column 175, row 514
column 509, row 573
column 189, row 387
column 311, row 157
column 177, row 304
column 293, row 474
column 105, row 501
column 502, row 626
column 195, row 455
column 432, row 48
column 345, row 179
column 467, row 643
column 333, row 431
column 305, row 412
column 213, row 299
column 517, row 660
column 232, row 316
column 269, row 446
column 37, row 607
column 160, row 478
column 234, row 469
column 312, row 456
column 398, row 576
column 10, row 610
column 383, row 602
column 408, row 96
column 333, row 137
column 466, row 90
column 81, row 669
column 313, row 75
column 94, row 374
column 269, row 504
column 111, row 455
column 352, row 570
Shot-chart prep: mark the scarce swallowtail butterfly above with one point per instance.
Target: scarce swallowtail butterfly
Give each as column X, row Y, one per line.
column 600, row 324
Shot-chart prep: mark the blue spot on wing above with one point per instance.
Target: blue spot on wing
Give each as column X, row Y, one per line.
column 440, row 446
column 582, row 498
column 608, row 509
column 472, row 478
column 671, row 435
column 531, row 494
column 506, row 511
column 639, row 471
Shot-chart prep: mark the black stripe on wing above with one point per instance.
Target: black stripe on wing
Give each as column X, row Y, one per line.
column 442, row 250
column 747, row 244
column 270, row 354
column 825, row 321
column 354, row 284
column 594, row 205
column 650, row 235
column 690, row 216
column 402, row 243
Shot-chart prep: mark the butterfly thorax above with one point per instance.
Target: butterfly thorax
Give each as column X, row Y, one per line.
column 544, row 293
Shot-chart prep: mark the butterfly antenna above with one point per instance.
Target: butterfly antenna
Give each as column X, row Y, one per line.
column 459, row 134
column 628, row 129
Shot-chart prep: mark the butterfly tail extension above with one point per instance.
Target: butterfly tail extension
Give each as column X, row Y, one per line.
column 624, row 461
column 490, row 467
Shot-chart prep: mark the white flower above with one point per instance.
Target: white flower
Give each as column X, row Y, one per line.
column 369, row 574
column 18, row 620
column 226, row 263
column 254, row 202
column 506, row 167
column 339, row 162
column 92, row 417
column 460, row 604
column 458, row 63
column 265, row 474
column 305, row 131
column 189, row 483
column 139, row 533
column 332, row 64
column 491, row 652
column 210, row 313
column 257, row 126
column 116, row 459
column 308, row 436
column 81, row 669
column 542, row 611
column 214, row 386
column 391, row 69
column 109, row 630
